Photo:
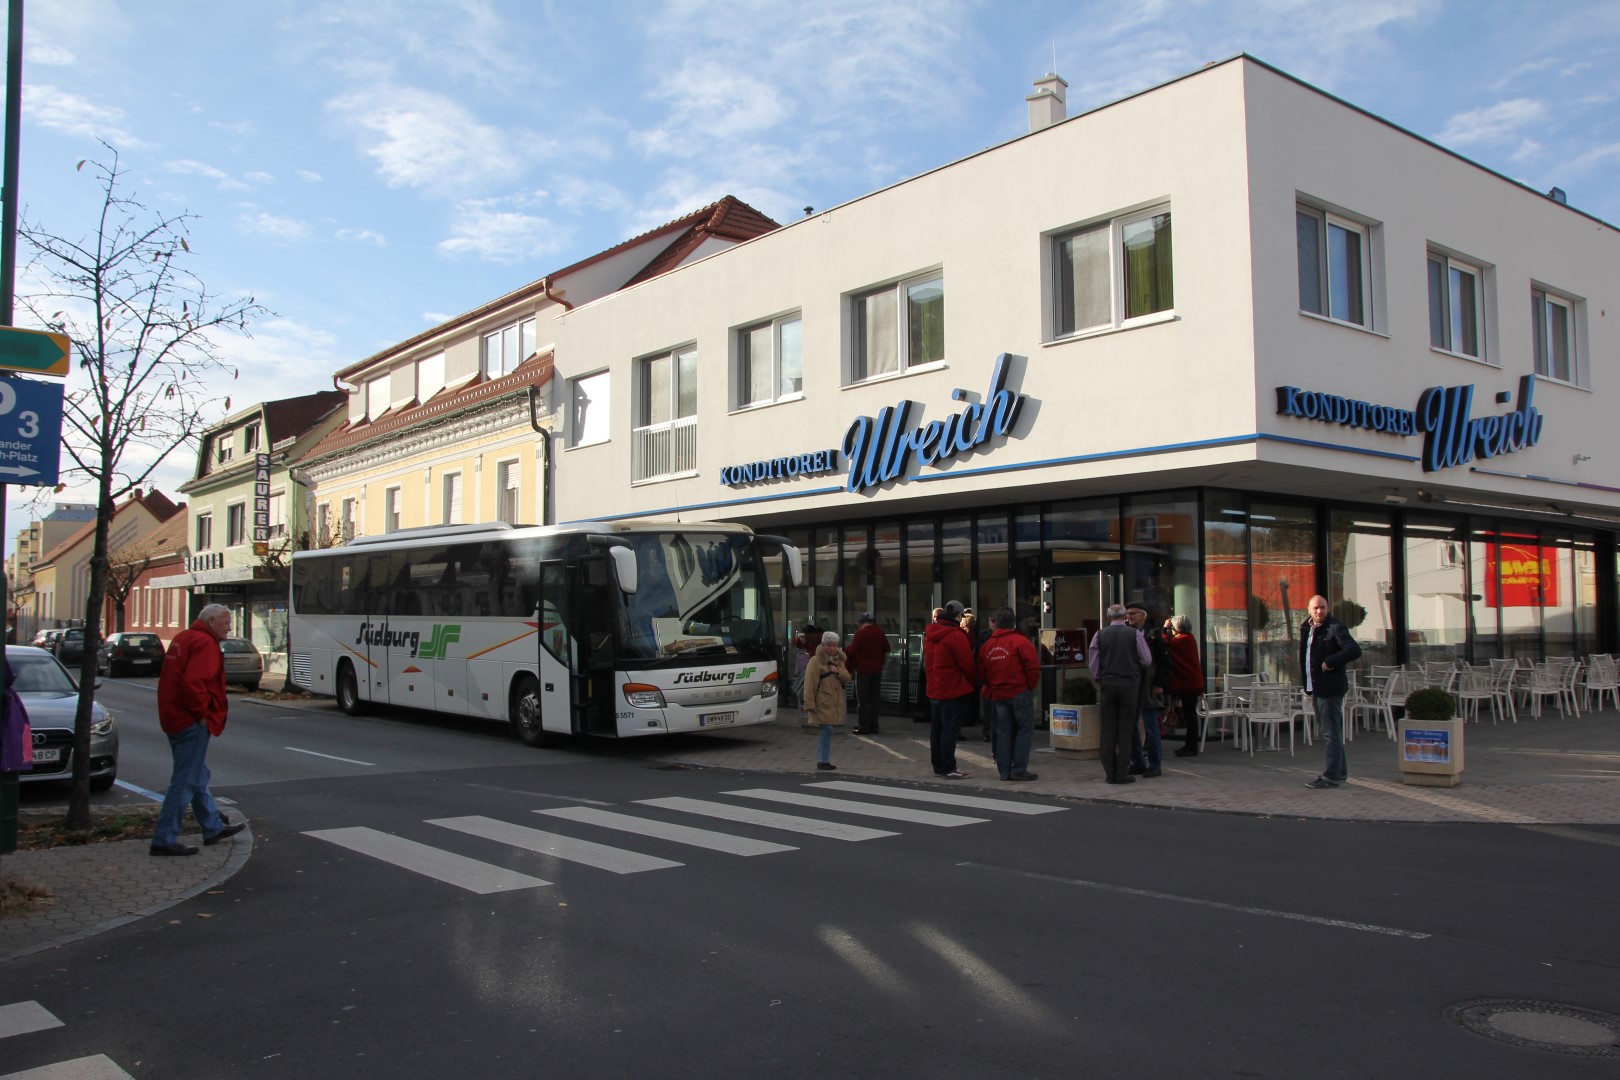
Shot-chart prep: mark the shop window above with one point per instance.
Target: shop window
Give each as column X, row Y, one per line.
column 897, row 328
column 1335, row 266
column 770, row 361
column 1113, row 273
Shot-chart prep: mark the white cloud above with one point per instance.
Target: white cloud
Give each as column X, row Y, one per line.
column 1596, row 156
column 421, row 139
column 500, row 231
column 67, row 112
column 48, row 54
column 187, row 167
column 1493, row 123
column 309, row 176
column 362, row 236
column 261, row 178
column 273, row 226
column 240, row 127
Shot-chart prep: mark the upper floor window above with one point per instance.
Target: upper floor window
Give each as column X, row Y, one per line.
column 1553, row 319
column 205, row 531
column 897, row 327
column 429, row 376
column 1456, row 306
column 391, row 499
column 346, row 518
column 668, row 387
column 770, row 361
column 506, row 492
column 451, row 505
column 277, row 514
column 506, row 348
column 223, row 450
column 1112, row 272
column 250, row 438
column 1334, row 266
column 377, row 397
column 235, row 524
column 588, row 409
column 323, row 525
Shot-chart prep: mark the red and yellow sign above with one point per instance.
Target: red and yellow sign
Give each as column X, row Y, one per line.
column 1529, row 575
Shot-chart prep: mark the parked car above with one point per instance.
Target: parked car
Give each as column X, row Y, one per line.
column 45, row 639
column 69, row 648
column 243, row 664
column 51, row 697
column 130, row 654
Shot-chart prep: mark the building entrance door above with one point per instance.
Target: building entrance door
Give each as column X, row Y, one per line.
column 1079, row 596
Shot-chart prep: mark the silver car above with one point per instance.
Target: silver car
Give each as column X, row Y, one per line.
column 51, row 697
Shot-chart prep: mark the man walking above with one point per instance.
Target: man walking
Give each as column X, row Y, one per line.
column 1146, row 745
column 1117, row 656
column 191, row 709
column 868, row 647
column 948, row 667
column 1325, row 647
column 1010, row 672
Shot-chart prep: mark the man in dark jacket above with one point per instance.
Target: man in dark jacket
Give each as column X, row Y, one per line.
column 948, row 666
column 1325, row 647
column 1117, row 655
column 865, row 655
column 1010, row 672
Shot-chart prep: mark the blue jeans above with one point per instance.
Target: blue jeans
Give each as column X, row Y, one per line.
column 1330, row 721
column 1012, row 731
column 188, row 786
column 1150, row 726
column 944, row 724
column 824, row 743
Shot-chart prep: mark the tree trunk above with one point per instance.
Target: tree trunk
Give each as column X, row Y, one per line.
column 78, row 816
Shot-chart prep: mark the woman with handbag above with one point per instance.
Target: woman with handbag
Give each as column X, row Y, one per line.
column 824, row 682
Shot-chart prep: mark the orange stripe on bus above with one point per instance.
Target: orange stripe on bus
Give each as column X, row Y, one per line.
column 503, row 644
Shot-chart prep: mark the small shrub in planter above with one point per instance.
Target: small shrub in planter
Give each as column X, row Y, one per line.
column 1077, row 690
column 1430, row 705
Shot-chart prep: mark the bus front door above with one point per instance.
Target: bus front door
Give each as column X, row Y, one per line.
column 594, row 600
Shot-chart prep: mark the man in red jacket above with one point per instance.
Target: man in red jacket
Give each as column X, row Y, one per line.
column 948, row 669
column 865, row 655
column 191, row 710
column 1010, row 672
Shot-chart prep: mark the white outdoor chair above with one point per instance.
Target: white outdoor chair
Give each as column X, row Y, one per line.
column 1503, row 673
column 1440, row 674
column 1378, row 709
column 1269, row 707
column 1215, row 712
column 1474, row 688
column 1602, row 677
column 1546, row 681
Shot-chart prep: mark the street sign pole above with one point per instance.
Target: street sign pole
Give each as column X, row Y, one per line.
column 8, row 305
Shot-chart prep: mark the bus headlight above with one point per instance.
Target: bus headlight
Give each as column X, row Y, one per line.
column 770, row 686
column 643, row 696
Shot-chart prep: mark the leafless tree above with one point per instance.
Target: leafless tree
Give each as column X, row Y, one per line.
column 143, row 329
column 121, row 578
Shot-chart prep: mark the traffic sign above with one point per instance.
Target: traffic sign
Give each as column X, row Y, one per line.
column 34, row 351
column 30, row 431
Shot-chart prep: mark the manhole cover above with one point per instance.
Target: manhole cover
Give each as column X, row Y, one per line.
column 1540, row 1025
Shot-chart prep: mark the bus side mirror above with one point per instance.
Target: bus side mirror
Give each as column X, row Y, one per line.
column 624, row 567
column 795, row 564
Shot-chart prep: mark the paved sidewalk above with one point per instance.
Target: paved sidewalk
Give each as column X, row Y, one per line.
column 1554, row 771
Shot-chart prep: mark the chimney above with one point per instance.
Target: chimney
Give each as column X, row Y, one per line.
column 1557, row 195
column 1047, row 105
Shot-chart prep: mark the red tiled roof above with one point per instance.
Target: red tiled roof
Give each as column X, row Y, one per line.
column 167, row 539
column 728, row 219
column 290, row 417
column 156, row 503
column 535, row 371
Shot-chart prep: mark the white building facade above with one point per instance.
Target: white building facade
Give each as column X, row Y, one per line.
column 1213, row 348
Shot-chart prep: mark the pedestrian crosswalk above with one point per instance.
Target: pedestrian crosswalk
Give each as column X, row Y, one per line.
column 27, row 1017
column 666, row 819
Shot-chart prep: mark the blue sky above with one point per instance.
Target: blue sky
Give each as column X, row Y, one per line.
column 367, row 169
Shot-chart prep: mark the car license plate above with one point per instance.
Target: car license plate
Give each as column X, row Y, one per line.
column 715, row 719
column 140, row 663
column 47, row 755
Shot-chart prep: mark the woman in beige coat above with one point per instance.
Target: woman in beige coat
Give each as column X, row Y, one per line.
column 824, row 682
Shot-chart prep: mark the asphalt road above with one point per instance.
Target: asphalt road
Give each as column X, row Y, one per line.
column 1089, row 941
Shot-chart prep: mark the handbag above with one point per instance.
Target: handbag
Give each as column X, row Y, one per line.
column 16, row 735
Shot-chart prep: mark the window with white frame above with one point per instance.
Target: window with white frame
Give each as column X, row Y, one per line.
column 1112, row 272
column 1456, row 306
column 897, row 327
column 391, row 511
column 223, row 449
column 506, row 492
column 376, row 397
column 323, row 525
column 250, row 439
column 451, row 504
column 1335, row 266
column 278, row 515
column 1552, row 318
column 668, row 387
column 429, row 376
column 235, row 524
column 205, row 532
column 346, row 517
column 588, row 409
column 506, row 348
column 770, row 360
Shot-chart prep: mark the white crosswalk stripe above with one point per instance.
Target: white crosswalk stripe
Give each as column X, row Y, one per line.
column 971, row 802
column 612, row 859
column 747, row 815
column 863, row 809
column 664, row 830
column 27, row 1017
column 445, row 866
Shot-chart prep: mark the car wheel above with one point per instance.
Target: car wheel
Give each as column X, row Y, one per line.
column 524, row 708
column 252, row 686
column 348, row 690
column 102, row 783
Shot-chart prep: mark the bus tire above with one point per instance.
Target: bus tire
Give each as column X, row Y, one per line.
column 348, row 690
column 524, row 709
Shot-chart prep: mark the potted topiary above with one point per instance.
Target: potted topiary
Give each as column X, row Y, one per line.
column 1430, row 739
column 1075, row 720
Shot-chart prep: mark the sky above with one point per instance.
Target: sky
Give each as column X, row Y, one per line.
column 366, row 170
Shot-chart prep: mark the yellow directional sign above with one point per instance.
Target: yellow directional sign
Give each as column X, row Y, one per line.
column 35, row 351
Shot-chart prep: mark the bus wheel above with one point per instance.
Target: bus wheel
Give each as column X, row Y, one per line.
column 348, row 690
column 525, row 712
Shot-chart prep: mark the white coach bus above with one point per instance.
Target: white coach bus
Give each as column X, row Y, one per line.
column 616, row 629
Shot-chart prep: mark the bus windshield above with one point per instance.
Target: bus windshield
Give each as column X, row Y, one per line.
column 698, row 595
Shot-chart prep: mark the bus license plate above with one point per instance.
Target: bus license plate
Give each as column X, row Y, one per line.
column 716, row 719
column 47, row 756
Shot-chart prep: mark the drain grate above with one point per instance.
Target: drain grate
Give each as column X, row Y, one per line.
column 1540, row 1025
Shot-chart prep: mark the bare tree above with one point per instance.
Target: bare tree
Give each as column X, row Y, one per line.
column 142, row 328
column 121, row 578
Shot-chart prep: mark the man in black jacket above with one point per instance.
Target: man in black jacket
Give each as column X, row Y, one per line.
column 1325, row 647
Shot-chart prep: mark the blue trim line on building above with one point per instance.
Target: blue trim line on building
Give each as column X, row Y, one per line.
column 1338, row 446
column 1545, row 479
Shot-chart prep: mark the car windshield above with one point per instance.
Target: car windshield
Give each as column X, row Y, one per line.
column 236, row 645
column 39, row 675
column 140, row 640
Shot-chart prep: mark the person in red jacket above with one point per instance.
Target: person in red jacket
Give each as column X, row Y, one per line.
column 191, row 710
column 948, row 668
column 1186, row 681
column 1010, row 672
column 868, row 648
